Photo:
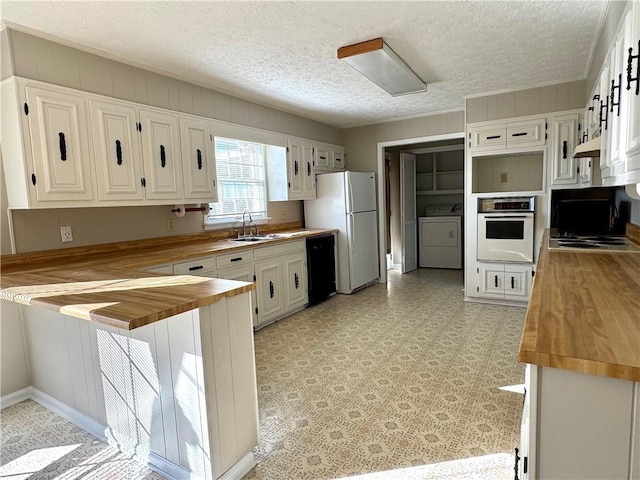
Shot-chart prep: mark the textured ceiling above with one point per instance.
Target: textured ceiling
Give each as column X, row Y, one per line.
column 283, row 54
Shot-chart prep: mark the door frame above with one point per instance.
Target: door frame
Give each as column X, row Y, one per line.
column 382, row 214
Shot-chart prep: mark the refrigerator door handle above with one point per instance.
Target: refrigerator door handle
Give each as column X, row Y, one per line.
column 350, row 206
column 351, row 235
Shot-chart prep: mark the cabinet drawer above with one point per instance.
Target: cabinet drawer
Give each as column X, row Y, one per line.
column 491, row 137
column 526, row 134
column 195, row 267
column 280, row 249
column 236, row 259
column 164, row 269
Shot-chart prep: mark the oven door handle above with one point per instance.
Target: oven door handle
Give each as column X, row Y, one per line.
column 506, row 216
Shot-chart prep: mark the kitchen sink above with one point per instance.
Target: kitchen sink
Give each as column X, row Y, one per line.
column 251, row 239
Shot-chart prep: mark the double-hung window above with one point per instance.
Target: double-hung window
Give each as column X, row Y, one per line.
column 241, row 180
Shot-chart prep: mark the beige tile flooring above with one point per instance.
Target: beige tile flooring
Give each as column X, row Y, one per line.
column 391, row 378
column 398, row 382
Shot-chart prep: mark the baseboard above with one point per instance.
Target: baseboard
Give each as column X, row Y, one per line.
column 15, row 397
column 155, row 462
column 70, row 414
column 496, row 301
column 241, row 468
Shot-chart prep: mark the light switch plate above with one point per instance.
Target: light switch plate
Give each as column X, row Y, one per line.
column 66, row 234
column 504, row 177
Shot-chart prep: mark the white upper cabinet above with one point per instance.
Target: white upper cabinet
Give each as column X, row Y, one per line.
column 59, row 141
column 527, row 133
column 605, row 83
column 322, row 157
column 488, row 137
column 161, row 155
column 500, row 136
column 631, row 82
column 337, row 158
column 308, row 172
column 565, row 139
column 116, row 146
column 198, row 159
column 294, row 169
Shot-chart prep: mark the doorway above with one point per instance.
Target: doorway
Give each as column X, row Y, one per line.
column 393, row 245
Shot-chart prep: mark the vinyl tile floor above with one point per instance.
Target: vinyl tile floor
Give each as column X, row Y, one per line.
column 395, row 382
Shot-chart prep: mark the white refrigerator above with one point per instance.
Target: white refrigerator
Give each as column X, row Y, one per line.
column 347, row 201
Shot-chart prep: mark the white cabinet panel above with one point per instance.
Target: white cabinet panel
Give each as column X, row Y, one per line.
column 337, row 159
column 492, row 280
column 198, row 160
column 322, row 157
column 308, row 174
column 491, row 137
column 295, row 279
column 528, row 133
column 60, row 144
column 161, row 154
column 116, row 146
column 504, row 280
column 294, row 169
column 605, row 133
column 269, row 289
column 565, row 137
column 632, row 92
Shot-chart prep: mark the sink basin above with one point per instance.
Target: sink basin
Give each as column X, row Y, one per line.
column 250, row 239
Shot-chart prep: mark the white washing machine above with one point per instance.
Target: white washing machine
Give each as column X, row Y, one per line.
column 440, row 237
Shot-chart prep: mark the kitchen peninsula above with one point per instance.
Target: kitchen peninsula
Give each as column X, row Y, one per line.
column 162, row 366
column 581, row 344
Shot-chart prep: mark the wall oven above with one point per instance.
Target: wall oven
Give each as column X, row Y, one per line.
column 506, row 229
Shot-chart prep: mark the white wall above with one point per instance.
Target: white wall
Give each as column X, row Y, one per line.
column 14, row 373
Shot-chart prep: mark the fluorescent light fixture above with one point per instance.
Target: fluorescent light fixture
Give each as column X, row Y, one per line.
column 376, row 61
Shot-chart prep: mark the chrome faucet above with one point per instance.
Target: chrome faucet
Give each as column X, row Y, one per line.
column 244, row 226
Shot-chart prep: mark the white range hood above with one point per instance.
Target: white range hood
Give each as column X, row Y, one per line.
column 588, row 149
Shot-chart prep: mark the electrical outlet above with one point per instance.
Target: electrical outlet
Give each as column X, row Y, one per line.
column 170, row 225
column 283, row 215
column 66, row 234
column 504, row 177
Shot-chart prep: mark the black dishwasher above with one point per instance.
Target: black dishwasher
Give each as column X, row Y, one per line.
column 321, row 267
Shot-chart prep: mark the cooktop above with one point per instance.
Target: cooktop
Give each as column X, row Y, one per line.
column 596, row 242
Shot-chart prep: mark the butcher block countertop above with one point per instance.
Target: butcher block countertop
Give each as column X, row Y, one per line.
column 584, row 313
column 105, row 283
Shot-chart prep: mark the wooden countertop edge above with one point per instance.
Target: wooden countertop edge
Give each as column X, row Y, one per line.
column 580, row 365
column 138, row 322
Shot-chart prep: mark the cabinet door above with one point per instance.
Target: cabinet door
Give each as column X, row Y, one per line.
column 161, row 154
column 308, row 174
column 243, row 273
column 295, row 279
column 198, row 160
column 270, row 297
column 60, row 145
column 631, row 91
column 116, row 146
column 294, row 170
column 618, row 107
column 322, row 157
column 491, row 137
column 605, row 131
column 528, row 133
column 491, row 280
column 337, row 159
column 565, row 136
column 517, row 280
column 585, row 172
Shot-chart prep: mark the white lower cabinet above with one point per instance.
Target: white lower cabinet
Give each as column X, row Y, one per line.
column 579, row 426
column 201, row 267
column 281, row 280
column 505, row 280
column 242, row 273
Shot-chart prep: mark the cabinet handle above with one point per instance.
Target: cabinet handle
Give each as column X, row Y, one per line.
column 493, row 137
column 564, row 149
column 271, row 289
column 613, row 93
column 118, row 152
column 515, row 466
column 296, row 280
column 236, row 259
column 323, row 158
column 63, row 147
column 629, row 61
column 308, row 169
column 604, row 106
column 495, row 279
column 585, row 136
column 199, row 159
column 295, row 167
column 163, row 156
column 513, row 283
column 519, row 134
column 197, row 267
